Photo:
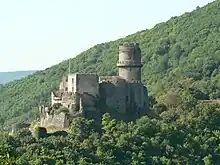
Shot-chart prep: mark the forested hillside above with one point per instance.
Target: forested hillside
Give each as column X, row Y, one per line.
column 181, row 69
column 193, row 139
column 181, row 60
column 6, row 77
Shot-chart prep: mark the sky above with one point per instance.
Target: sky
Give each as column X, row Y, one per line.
column 36, row 34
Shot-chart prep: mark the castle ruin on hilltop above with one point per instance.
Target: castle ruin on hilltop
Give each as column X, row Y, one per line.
column 123, row 96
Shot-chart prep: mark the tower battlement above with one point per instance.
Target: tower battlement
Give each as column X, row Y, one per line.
column 128, row 47
column 127, row 44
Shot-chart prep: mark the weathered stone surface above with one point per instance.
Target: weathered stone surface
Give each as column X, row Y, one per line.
column 55, row 120
column 88, row 95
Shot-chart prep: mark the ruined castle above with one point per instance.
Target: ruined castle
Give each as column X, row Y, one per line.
column 123, row 96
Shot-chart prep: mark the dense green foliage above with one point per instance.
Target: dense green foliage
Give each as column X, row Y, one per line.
column 194, row 138
column 181, row 69
column 6, row 77
column 180, row 57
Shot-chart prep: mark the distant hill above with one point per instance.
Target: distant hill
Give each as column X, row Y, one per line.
column 6, row 77
column 181, row 55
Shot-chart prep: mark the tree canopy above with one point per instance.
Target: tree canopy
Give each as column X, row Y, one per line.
column 191, row 139
column 180, row 56
column 181, row 70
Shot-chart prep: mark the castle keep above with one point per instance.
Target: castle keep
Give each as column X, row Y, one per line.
column 90, row 95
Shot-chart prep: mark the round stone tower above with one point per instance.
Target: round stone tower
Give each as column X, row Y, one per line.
column 129, row 63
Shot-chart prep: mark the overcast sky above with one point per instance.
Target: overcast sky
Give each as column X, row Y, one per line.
column 35, row 34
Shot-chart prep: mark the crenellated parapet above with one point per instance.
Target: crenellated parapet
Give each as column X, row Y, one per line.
column 128, row 45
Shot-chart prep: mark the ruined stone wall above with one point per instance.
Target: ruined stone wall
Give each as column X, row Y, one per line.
column 55, row 120
column 113, row 93
column 64, row 83
column 70, row 98
column 71, row 83
column 124, row 100
column 87, row 83
column 89, row 106
column 55, row 99
column 89, row 102
column 139, row 98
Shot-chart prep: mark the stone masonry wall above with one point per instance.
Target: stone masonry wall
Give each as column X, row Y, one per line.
column 63, row 83
column 124, row 99
column 129, row 62
column 139, row 96
column 89, row 107
column 113, row 93
column 56, row 120
column 55, row 99
column 70, row 99
column 87, row 83
column 71, row 83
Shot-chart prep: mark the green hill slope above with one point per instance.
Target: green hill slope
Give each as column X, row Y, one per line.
column 180, row 54
column 6, row 77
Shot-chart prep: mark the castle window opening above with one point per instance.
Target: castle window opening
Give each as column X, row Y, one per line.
column 66, row 89
column 127, row 98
